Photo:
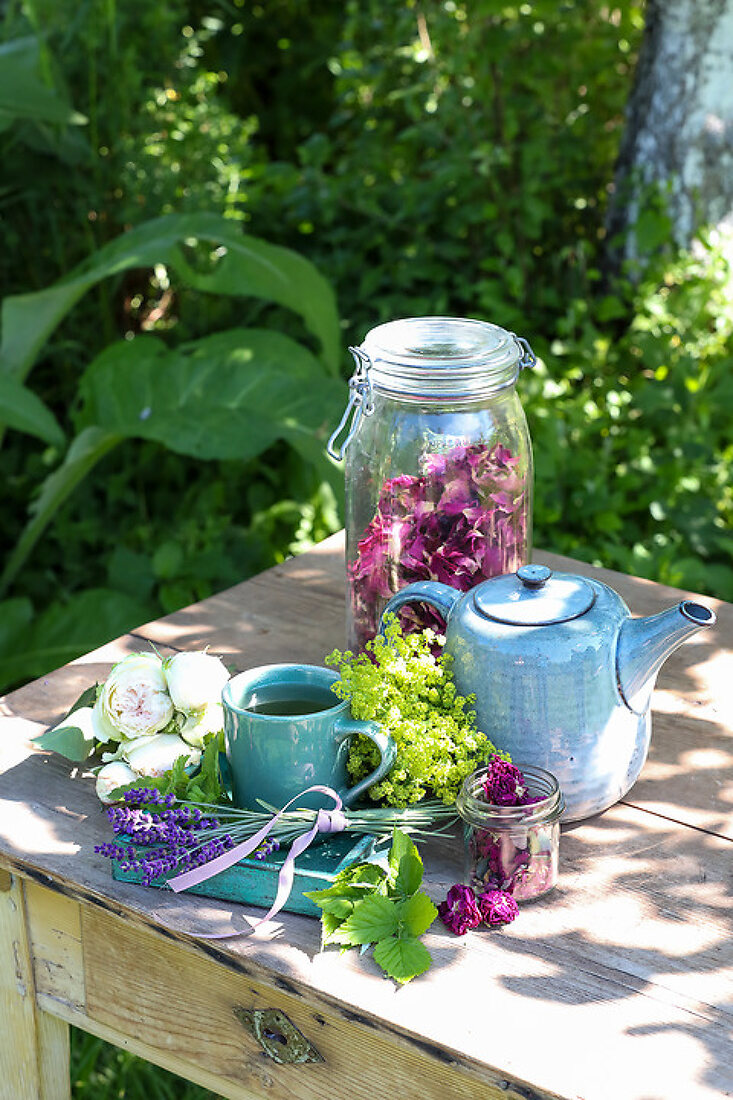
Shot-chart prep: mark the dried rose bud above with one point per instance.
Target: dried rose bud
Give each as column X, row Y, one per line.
column 504, row 783
column 497, row 907
column 459, row 911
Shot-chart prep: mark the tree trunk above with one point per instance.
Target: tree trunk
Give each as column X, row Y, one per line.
column 678, row 140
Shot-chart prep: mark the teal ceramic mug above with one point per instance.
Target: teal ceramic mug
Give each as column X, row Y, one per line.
column 285, row 730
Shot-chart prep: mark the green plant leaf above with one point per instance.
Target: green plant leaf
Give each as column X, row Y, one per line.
column 352, row 882
column 402, row 959
column 253, row 267
column 373, row 919
column 23, row 411
column 23, row 94
column 208, row 777
column 405, row 864
column 73, row 742
column 340, row 907
column 351, row 885
column 329, row 926
column 87, row 698
column 229, row 395
column 417, row 913
column 85, row 451
column 241, row 265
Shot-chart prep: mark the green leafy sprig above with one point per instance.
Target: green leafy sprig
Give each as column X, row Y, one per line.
column 370, row 905
column 204, row 786
column 401, row 683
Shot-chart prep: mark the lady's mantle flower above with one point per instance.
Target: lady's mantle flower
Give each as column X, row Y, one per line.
column 459, row 911
column 194, row 680
column 134, row 701
column 497, row 907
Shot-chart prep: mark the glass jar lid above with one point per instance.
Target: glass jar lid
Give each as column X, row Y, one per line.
column 450, row 357
column 534, row 596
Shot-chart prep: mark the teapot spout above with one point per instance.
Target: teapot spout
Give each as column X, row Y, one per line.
column 645, row 644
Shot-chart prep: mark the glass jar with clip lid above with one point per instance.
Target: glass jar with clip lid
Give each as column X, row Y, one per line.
column 438, row 463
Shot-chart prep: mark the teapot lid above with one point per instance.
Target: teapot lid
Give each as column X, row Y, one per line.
column 534, row 596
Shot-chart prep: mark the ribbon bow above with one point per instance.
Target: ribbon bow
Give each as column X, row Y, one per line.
column 326, row 821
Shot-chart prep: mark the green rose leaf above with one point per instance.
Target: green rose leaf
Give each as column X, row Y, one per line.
column 402, row 959
column 352, row 882
column 391, row 922
column 87, row 698
column 373, row 919
column 208, row 777
column 70, row 741
column 417, row 913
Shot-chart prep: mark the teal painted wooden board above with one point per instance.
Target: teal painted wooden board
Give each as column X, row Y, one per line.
column 254, row 882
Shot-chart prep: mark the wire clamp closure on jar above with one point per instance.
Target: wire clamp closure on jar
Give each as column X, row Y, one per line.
column 528, row 357
column 360, row 403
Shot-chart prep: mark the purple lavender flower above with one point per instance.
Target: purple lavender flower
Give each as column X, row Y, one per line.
column 497, row 907
column 160, row 842
column 459, row 911
column 266, row 848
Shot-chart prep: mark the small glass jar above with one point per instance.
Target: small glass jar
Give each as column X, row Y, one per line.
column 438, row 464
column 512, row 848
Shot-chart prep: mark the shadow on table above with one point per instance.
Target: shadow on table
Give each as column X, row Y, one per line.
column 652, row 906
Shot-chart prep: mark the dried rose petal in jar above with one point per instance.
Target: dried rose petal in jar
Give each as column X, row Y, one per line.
column 511, row 847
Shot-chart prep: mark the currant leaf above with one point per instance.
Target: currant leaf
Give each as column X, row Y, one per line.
column 402, row 959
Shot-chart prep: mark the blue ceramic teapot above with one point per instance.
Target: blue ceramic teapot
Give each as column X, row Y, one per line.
column 562, row 673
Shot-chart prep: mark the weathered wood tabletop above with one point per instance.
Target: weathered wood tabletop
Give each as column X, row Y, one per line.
column 617, row 985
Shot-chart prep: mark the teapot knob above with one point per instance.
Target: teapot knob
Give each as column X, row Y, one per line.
column 534, row 576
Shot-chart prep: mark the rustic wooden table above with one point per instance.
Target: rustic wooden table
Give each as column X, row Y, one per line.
column 617, row 985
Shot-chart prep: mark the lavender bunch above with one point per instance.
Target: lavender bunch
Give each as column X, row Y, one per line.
column 172, row 833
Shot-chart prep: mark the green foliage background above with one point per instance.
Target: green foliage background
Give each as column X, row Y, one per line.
column 450, row 158
column 447, row 158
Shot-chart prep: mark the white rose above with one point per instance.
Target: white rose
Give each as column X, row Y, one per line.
column 159, row 754
column 201, row 723
column 194, row 680
column 134, row 701
column 110, row 777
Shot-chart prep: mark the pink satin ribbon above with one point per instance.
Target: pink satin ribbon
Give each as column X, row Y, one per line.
column 327, row 821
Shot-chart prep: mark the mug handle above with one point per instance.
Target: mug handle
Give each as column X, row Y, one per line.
column 350, row 727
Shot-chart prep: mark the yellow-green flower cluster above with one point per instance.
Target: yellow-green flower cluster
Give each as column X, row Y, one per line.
column 401, row 683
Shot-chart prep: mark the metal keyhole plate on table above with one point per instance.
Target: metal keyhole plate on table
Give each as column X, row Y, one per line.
column 277, row 1035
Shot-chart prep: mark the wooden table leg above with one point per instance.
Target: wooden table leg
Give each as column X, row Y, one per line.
column 34, row 1046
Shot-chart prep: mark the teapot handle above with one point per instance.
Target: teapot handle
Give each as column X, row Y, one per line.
column 440, row 596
